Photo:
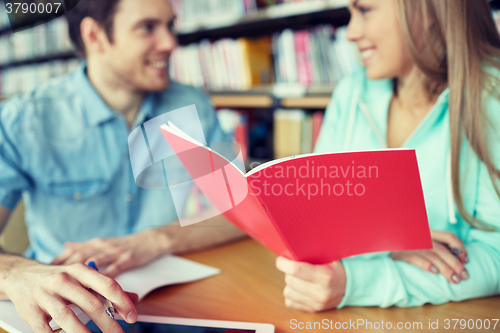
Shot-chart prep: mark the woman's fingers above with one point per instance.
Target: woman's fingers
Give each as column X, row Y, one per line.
column 299, row 269
column 314, row 291
column 297, row 306
column 448, row 264
column 417, row 260
column 296, row 300
column 443, row 267
column 454, row 243
column 317, row 274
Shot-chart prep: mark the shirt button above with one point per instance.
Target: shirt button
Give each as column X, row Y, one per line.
column 128, row 198
column 77, row 195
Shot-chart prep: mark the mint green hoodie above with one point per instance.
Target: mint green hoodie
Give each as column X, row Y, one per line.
column 356, row 119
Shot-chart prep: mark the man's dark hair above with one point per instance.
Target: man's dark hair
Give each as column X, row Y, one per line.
column 103, row 11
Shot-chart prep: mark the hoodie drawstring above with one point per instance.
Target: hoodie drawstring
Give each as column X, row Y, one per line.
column 369, row 118
column 350, row 124
column 449, row 192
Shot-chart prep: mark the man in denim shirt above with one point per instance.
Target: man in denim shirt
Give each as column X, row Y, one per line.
column 64, row 149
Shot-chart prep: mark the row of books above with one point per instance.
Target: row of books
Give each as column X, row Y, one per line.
column 192, row 15
column 18, row 80
column 295, row 132
column 269, row 3
column 192, row 12
column 42, row 40
column 226, row 64
column 319, row 56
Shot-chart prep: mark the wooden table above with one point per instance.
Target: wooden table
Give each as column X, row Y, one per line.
column 250, row 289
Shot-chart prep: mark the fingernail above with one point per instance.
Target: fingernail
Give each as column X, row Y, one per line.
column 434, row 269
column 132, row 317
column 465, row 275
column 466, row 259
column 456, row 250
column 455, row 279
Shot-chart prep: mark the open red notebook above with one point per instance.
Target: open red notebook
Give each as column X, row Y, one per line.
column 316, row 208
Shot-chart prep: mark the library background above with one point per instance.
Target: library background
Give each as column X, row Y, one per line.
column 270, row 66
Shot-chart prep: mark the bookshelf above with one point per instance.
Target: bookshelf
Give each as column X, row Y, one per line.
column 38, row 60
column 297, row 15
column 312, row 97
column 266, row 101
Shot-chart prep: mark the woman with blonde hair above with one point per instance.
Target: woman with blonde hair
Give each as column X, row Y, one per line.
column 431, row 82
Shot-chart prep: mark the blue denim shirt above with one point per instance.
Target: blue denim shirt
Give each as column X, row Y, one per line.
column 66, row 153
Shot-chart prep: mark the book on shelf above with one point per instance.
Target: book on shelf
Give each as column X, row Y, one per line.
column 317, row 121
column 321, row 55
column 295, row 132
column 266, row 202
column 288, row 132
column 235, row 123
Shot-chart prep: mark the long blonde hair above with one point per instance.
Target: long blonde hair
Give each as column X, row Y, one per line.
column 451, row 41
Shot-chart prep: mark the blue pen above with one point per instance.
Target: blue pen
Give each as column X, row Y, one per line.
column 110, row 310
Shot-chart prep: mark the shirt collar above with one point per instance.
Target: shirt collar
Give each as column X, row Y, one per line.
column 97, row 110
column 146, row 110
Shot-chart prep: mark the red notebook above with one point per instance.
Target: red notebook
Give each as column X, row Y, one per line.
column 316, row 208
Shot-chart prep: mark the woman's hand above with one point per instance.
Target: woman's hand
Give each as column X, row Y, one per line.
column 447, row 257
column 117, row 254
column 312, row 288
column 41, row 293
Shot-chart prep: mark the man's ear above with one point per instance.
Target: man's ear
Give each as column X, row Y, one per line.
column 94, row 37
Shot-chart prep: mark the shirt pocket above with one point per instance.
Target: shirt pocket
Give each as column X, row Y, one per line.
column 78, row 190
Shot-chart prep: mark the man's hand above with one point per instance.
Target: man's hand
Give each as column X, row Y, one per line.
column 312, row 288
column 118, row 254
column 447, row 257
column 41, row 292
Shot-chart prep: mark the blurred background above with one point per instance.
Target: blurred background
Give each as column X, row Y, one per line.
column 269, row 66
